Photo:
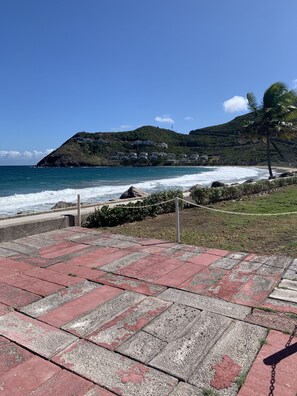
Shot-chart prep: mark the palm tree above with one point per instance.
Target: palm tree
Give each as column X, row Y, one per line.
column 272, row 118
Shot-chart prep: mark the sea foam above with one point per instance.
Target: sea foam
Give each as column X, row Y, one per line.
column 11, row 205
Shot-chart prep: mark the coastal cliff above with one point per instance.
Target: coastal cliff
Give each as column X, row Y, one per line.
column 149, row 146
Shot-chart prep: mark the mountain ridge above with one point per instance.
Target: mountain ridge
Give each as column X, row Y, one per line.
column 149, row 145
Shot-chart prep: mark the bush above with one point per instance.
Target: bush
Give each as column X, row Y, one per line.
column 121, row 214
column 208, row 195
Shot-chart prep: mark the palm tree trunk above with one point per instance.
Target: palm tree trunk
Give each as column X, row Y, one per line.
column 268, row 155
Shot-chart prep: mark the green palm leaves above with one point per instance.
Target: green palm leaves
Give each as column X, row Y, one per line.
column 272, row 119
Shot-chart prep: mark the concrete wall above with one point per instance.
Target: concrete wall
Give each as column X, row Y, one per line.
column 15, row 231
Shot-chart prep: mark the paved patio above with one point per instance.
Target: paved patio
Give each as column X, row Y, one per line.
column 88, row 313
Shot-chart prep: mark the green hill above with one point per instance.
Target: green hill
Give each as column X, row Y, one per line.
column 148, row 145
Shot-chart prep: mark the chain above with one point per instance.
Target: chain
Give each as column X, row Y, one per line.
column 293, row 334
column 272, row 380
column 273, row 366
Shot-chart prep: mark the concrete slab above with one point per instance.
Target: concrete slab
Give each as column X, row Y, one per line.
column 284, row 294
column 76, row 270
column 228, row 359
column 5, row 309
column 206, row 303
column 80, row 306
column 288, row 284
column 151, row 268
column 109, row 242
column 248, row 267
column 11, row 355
column 141, row 346
column 204, row 259
column 180, row 274
column 203, row 280
column 218, row 252
column 123, row 262
column 61, row 249
column 115, row 332
column 184, row 389
column 281, row 262
column 19, row 248
column 104, row 256
column 225, row 263
column 56, row 300
column 6, row 252
column 267, row 269
column 273, row 320
column 98, row 391
column 91, row 258
column 182, row 355
column 279, row 305
column 172, row 322
column 290, row 274
column 228, row 286
column 115, row 372
column 104, row 313
column 27, row 376
column 10, row 267
column 64, row 382
column 34, row 335
column 123, row 282
column 259, row 377
column 53, row 276
column 237, row 255
column 256, row 290
column 33, row 285
column 15, row 297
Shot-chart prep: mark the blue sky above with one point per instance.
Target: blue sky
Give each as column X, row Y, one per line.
column 112, row 65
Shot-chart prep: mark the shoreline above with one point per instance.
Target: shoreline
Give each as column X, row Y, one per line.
column 24, row 212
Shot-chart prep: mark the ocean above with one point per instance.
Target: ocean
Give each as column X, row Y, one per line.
column 27, row 189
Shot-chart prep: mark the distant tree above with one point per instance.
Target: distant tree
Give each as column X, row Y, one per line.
column 272, row 119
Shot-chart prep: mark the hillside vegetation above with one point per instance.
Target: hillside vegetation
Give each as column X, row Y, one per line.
column 149, row 145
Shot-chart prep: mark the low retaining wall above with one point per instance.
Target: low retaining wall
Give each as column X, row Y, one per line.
column 15, row 231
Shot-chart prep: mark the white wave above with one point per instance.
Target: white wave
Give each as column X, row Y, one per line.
column 46, row 199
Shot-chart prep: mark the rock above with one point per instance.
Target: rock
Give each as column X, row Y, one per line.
column 249, row 181
column 63, row 205
column 133, row 192
column 217, row 184
column 195, row 187
column 286, row 174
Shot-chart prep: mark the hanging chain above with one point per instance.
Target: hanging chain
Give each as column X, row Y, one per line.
column 293, row 334
column 273, row 366
column 272, row 380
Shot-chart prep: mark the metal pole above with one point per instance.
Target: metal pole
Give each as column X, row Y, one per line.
column 78, row 211
column 177, row 226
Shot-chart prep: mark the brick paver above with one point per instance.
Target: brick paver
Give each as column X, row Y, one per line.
column 87, row 313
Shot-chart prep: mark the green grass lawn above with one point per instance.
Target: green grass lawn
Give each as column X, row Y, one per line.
column 267, row 235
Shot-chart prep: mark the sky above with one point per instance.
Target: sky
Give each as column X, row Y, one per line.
column 114, row 65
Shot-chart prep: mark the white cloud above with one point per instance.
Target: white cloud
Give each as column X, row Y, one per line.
column 189, row 118
column 235, row 104
column 166, row 119
column 26, row 155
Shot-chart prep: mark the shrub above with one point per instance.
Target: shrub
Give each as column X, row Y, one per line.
column 120, row 214
column 208, row 195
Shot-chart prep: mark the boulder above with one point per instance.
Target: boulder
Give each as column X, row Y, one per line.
column 195, row 187
column 133, row 192
column 217, row 184
column 249, row 181
column 63, row 205
column 286, row 174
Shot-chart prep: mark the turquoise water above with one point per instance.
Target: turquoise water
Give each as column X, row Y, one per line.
column 25, row 188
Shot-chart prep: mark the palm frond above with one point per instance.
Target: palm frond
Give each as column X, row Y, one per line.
column 252, row 101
